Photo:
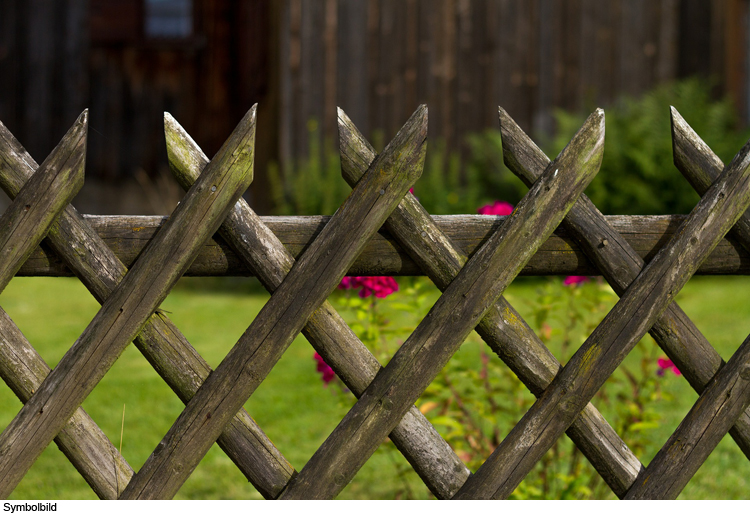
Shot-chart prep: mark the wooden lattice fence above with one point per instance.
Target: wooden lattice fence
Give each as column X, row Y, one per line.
column 471, row 259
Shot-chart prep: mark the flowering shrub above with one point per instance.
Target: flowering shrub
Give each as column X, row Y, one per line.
column 476, row 400
column 572, row 280
column 667, row 364
column 498, row 208
column 380, row 287
column 326, row 372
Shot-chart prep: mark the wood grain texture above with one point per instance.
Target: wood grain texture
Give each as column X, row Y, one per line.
column 127, row 236
column 21, row 367
column 73, row 240
column 462, row 305
column 81, row 440
column 257, row 246
column 127, row 309
column 726, row 396
column 719, row 406
column 304, row 289
column 26, row 221
column 502, row 327
column 634, row 314
column 680, row 339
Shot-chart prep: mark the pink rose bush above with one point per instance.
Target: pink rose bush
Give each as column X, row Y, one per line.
column 667, row 364
column 498, row 208
column 572, row 280
column 380, row 287
column 326, row 372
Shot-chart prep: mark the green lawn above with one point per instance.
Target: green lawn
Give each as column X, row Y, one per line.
column 292, row 405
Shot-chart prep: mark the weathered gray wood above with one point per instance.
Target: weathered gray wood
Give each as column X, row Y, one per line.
column 26, row 221
column 127, row 236
column 463, row 304
column 21, row 367
column 673, row 331
column 75, row 242
column 432, row 458
column 127, row 309
column 502, row 327
column 634, row 314
column 701, row 167
column 307, row 285
column 725, row 398
column 83, row 443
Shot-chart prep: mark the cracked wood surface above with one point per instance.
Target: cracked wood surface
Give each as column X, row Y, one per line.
column 263, row 253
column 127, row 309
column 634, row 314
column 463, row 304
column 305, row 288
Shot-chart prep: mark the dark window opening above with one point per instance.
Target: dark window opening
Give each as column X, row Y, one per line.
column 169, row 18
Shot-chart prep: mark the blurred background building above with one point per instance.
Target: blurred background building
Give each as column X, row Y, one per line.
column 208, row 61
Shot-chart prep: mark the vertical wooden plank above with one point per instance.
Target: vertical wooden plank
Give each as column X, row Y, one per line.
column 75, row 60
column 312, row 83
column 695, row 40
column 37, row 71
column 288, row 62
column 352, row 61
column 411, row 66
column 548, row 69
column 330, row 44
column 571, row 46
column 735, row 52
column 425, row 86
column 666, row 66
column 10, row 58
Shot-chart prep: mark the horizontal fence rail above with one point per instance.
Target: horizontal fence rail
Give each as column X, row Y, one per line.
column 130, row 263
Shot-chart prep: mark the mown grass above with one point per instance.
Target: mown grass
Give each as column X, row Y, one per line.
column 292, row 406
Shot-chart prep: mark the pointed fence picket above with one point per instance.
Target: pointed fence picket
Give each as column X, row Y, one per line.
column 380, row 229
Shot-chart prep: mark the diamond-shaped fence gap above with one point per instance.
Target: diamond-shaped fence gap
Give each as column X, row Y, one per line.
column 563, row 473
column 52, row 475
column 218, row 477
column 295, row 406
column 51, row 312
column 723, row 475
column 133, row 384
column 213, row 312
column 386, row 476
column 474, row 401
column 562, row 311
column 383, row 311
column 717, row 310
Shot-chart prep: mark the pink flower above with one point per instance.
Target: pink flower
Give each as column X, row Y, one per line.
column 380, row 287
column 326, row 372
column 575, row 279
column 667, row 364
column 498, row 208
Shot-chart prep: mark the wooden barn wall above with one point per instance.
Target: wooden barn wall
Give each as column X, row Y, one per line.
column 43, row 69
column 465, row 57
column 377, row 59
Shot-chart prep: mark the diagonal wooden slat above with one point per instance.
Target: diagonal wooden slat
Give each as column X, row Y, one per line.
column 162, row 344
column 432, row 458
column 502, row 328
column 26, row 221
column 717, row 409
column 127, row 309
column 727, row 393
column 633, row 315
column 81, row 440
column 21, row 367
column 304, row 289
column 618, row 262
column 463, row 304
